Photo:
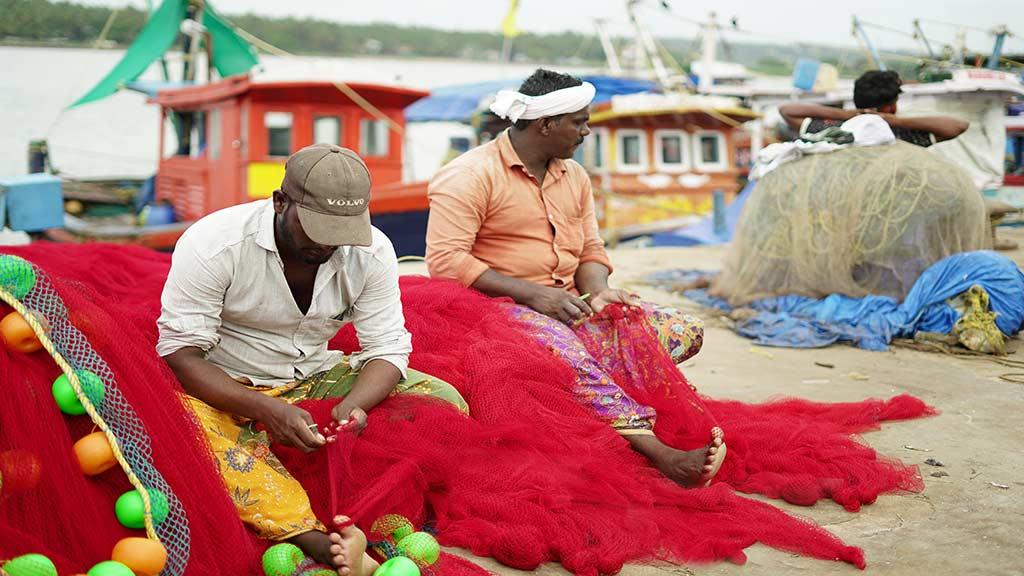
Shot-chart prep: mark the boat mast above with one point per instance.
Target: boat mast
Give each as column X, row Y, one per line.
column 709, row 36
column 193, row 31
column 997, row 48
column 862, row 34
column 647, row 49
column 919, row 34
column 614, row 68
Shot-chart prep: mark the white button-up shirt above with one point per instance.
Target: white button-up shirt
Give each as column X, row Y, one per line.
column 227, row 294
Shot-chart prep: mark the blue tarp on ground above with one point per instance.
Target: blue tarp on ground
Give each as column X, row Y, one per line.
column 873, row 321
column 458, row 103
column 703, row 232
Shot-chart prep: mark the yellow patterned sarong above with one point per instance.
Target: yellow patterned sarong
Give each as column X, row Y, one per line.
column 268, row 499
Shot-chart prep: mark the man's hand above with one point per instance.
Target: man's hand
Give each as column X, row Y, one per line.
column 346, row 418
column 291, row 426
column 613, row 296
column 559, row 304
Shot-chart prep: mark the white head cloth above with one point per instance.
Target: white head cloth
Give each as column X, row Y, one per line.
column 515, row 106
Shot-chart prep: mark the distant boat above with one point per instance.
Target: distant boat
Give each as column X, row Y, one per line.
column 241, row 134
column 231, row 137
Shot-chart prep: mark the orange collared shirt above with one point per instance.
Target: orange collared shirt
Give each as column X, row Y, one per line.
column 487, row 212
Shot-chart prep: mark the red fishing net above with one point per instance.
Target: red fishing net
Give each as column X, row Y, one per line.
column 799, row 451
column 531, row 477
column 112, row 296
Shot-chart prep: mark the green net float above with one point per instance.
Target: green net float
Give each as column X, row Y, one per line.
column 392, row 525
column 66, row 399
column 131, row 512
column 318, row 571
column 16, row 275
column 398, row 566
column 420, row 547
column 282, row 559
column 30, row 565
column 110, row 568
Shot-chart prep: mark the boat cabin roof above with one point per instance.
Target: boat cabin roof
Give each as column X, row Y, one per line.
column 300, row 92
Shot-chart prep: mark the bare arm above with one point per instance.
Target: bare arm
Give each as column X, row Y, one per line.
column 375, row 382
column 591, row 278
column 794, row 114
column 942, row 127
column 553, row 302
column 287, row 424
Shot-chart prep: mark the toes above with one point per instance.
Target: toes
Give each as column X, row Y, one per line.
column 712, row 450
column 335, row 538
column 337, row 550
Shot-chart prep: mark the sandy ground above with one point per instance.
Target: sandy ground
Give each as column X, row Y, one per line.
column 969, row 522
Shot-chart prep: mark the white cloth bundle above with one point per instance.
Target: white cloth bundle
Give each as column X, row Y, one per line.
column 515, row 106
column 867, row 130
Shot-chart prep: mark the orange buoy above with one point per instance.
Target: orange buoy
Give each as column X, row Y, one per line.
column 94, row 454
column 144, row 556
column 18, row 335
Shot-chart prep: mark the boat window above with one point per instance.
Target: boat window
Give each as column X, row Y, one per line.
column 672, row 150
column 327, row 130
column 214, row 131
column 373, row 137
column 596, row 146
column 279, row 133
column 190, row 129
column 579, row 155
column 1015, row 154
column 632, row 145
column 710, row 151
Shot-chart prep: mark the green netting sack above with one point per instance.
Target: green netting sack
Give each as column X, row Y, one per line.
column 858, row 221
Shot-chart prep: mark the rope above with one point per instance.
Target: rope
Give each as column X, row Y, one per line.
column 106, row 27
column 76, row 385
column 411, row 258
column 887, row 29
column 964, row 26
column 345, row 89
column 652, row 202
column 965, row 354
column 722, row 117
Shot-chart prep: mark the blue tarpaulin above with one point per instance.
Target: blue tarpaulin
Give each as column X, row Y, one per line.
column 703, row 232
column 873, row 321
column 458, row 103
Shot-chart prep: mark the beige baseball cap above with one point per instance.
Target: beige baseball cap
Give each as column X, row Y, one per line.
column 331, row 187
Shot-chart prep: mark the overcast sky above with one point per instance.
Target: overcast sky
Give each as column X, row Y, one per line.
column 779, row 21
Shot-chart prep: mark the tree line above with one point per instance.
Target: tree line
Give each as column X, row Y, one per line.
column 67, row 23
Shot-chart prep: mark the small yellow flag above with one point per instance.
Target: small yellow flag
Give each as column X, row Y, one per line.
column 508, row 25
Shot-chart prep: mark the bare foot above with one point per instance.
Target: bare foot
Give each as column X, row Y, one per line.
column 349, row 543
column 344, row 550
column 685, row 467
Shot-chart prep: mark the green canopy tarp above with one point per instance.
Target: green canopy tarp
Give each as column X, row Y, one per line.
column 231, row 54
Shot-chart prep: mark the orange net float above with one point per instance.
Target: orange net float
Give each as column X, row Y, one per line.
column 18, row 335
column 94, row 454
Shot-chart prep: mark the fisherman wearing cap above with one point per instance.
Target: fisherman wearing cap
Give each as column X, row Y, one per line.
column 515, row 218
column 254, row 294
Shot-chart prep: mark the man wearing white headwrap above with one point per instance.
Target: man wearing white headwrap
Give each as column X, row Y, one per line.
column 515, row 218
column 514, row 105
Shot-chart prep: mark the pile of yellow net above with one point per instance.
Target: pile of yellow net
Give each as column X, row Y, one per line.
column 858, row 221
